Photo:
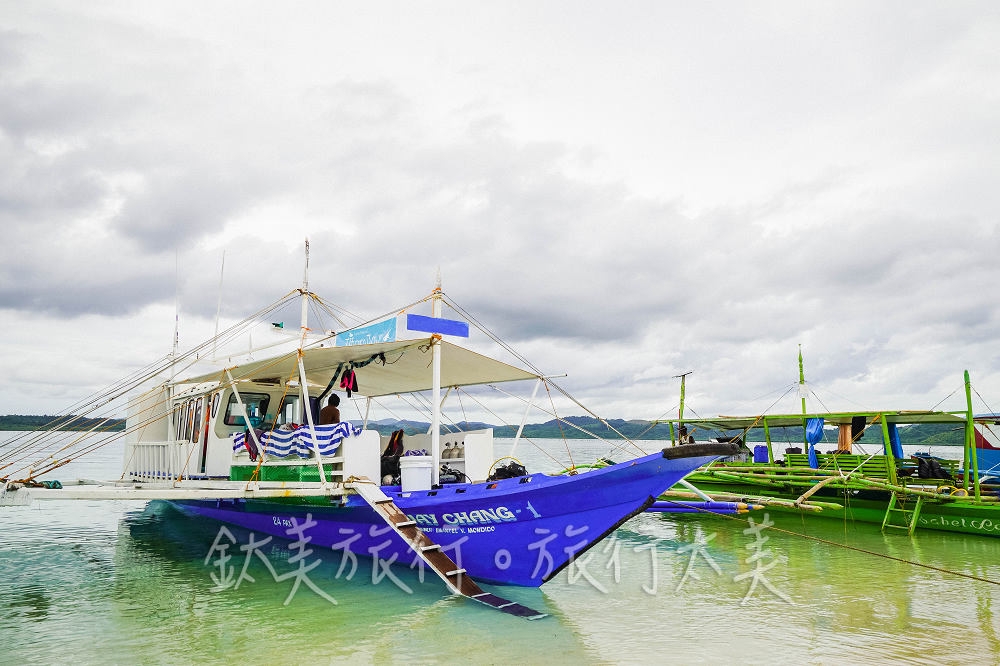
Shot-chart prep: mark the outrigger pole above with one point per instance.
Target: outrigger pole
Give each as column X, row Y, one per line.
column 436, row 388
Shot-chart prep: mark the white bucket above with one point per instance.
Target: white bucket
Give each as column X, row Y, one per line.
column 415, row 472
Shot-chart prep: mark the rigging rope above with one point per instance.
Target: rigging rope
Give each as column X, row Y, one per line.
column 40, row 442
column 562, row 433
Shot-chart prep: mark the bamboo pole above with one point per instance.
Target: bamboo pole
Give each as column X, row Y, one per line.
column 961, row 499
column 853, row 481
column 809, row 493
column 753, row 499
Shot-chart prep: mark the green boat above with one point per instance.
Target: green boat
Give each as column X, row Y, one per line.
column 888, row 488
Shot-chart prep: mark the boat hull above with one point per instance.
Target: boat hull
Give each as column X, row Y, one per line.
column 869, row 506
column 519, row 531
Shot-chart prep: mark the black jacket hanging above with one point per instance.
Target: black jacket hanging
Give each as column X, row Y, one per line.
column 349, row 382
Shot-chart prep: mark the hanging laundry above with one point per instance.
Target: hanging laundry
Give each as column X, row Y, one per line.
column 251, row 445
column 349, row 382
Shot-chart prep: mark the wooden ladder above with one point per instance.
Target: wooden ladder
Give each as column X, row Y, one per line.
column 432, row 555
column 909, row 516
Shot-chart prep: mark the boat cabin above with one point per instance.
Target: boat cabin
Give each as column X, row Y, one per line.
column 261, row 432
column 260, row 421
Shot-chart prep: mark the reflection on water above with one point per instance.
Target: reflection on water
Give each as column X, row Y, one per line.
column 128, row 582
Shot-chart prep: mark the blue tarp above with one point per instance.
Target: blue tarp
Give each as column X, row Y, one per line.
column 814, row 433
column 897, row 447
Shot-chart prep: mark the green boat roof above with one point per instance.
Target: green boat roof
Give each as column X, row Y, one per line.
column 831, row 418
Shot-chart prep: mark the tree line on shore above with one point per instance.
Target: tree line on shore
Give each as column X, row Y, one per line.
column 572, row 427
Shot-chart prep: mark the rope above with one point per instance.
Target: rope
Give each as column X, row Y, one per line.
column 562, row 433
column 47, row 439
column 988, row 408
column 612, row 443
column 502, row 421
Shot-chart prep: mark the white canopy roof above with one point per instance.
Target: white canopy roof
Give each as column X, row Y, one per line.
column 407, row 368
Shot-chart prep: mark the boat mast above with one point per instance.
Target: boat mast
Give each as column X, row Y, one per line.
column 436, row 389
column 802, row 395
column 177, row 318
column 802, row 382
column 970, row 458
column 305, row 300
column 171, row 388
column 680, row 408
column 218, row 308
column 303, row 384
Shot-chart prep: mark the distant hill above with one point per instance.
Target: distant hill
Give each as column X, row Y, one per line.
column 549, row 430
column 27, row 422
column 922, row 434
column 925, row 434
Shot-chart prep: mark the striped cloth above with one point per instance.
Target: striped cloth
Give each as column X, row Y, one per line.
column 299, row 442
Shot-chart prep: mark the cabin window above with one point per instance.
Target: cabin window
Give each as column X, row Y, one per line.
column 178, row 421
column 196, row 430
column 215, row 404
column 289, row 412
column 186, row 416
column 256, row 406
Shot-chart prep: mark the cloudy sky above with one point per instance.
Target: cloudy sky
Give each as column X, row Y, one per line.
column 623, row 191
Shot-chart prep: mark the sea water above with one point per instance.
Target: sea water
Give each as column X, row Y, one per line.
column 134, row 582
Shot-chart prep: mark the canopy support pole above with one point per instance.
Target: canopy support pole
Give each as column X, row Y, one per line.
column 527, row 409
column 436, row 391
column 243, row 411
column 304, row 392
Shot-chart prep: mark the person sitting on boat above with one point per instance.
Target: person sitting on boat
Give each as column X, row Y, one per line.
column 390, row 457
column 330, row 413
column 684, row 437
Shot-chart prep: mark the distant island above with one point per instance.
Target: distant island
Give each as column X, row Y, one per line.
column 922, row 434
column 71, row 423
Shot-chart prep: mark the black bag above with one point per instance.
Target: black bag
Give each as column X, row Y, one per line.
column 511, row 470
column 391, row 455
column 929, row 468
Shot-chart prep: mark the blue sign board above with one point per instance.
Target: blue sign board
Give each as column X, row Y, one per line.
column 384, row 331
column 437, row 325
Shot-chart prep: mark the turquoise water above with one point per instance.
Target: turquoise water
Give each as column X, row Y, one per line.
column 126, row 582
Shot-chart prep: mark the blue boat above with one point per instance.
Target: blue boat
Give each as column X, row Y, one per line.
column 248, row 445
column 515, row 531
column 258, row 443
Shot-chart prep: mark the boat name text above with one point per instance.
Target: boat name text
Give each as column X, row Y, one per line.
column 984, row 525
column 478, row 517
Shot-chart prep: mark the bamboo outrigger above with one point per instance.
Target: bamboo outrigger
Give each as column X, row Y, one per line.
column 889, row 488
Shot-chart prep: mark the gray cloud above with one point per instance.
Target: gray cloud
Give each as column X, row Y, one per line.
column 706, row 194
